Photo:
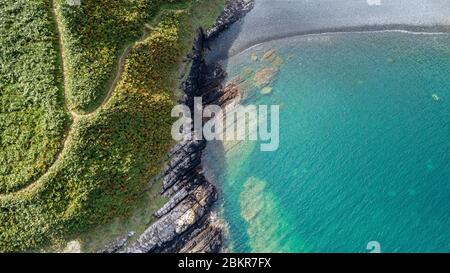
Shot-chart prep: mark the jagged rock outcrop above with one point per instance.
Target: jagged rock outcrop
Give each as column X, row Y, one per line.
column 185, row 223
column 233, row 11
column 184, row 217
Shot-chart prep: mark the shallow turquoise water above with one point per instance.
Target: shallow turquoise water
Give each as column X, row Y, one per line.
column 364, row 147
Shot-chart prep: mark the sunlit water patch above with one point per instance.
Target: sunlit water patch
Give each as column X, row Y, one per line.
column 364, row 149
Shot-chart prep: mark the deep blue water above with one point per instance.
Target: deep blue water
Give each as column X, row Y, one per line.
column 364, row 147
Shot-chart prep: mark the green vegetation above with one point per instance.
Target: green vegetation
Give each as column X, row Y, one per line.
column 137, row 222
column 32, row 115
column 95, row 34
column 109, row 155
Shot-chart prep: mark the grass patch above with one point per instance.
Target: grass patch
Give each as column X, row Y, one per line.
column 139, row 219
column 32, row 115
column 95, row 34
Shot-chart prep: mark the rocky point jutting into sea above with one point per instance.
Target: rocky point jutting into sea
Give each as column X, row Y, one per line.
column 187, row 222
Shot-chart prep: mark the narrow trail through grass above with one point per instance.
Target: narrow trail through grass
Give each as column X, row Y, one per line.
column 74, row 116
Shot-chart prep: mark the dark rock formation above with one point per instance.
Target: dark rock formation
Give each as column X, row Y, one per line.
column 117, row 244
column 187, row 223
column 233, row 11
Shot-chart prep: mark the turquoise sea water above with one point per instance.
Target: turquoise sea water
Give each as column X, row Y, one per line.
column 364, row 149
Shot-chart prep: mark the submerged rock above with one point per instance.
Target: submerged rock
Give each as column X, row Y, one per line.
column 257, row 205
column 436, row 97
column 246, row 73
column 264, row 76
column 266, row 90
column 390, row 60
column 269, row 54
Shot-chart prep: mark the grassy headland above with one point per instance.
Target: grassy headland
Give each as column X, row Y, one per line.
column 114, row 146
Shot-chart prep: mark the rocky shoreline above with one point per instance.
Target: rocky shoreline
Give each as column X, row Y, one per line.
column 187, row 222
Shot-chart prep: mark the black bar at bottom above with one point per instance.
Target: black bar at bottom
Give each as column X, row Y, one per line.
column 166, row 263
